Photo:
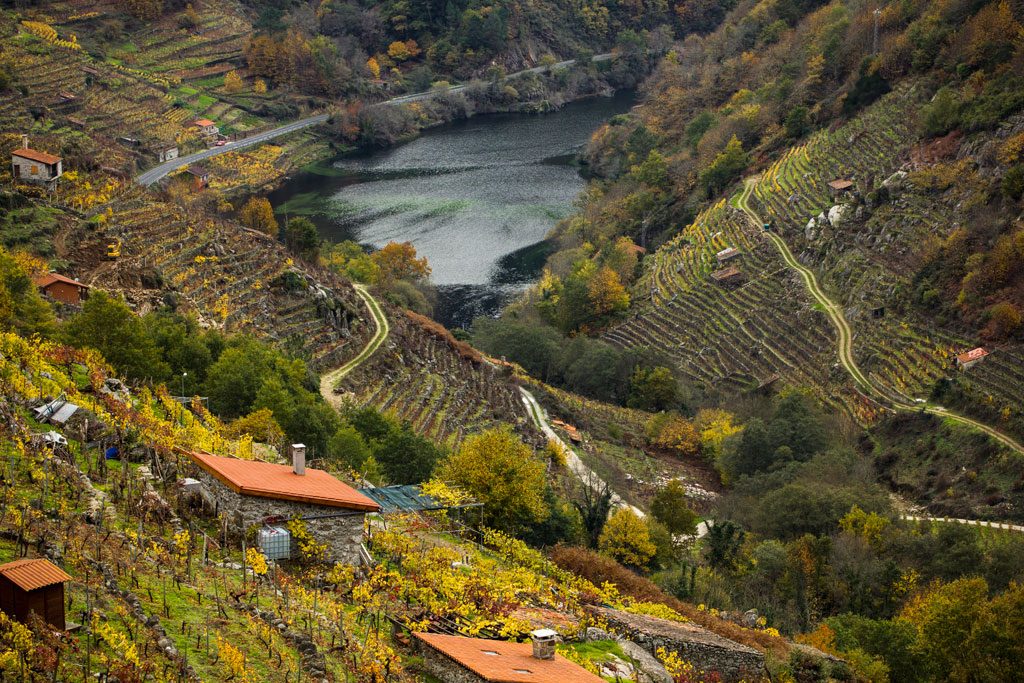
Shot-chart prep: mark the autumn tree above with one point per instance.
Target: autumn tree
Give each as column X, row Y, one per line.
column 22, row 309
column 502, row 472
column 397, row 261
column 260, row 425
column 671, row 507
column 673, row 432
column 144, row 9
column 259, row 86
column 402, row 51
column 726, row 167
column 374, row 66
column 232, row 82
column 258, row 214
column 626, row 539
column 606, row 293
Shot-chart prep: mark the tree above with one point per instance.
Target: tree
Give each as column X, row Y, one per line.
column 22, row 309
column 258, row 214
column 501, row 472
column 671, row 509
column 144, row 9
column 945, row 618
column 402, row 51
column 302, row 238
column 593, row 503
column 107, row 324
column 797, row 123
column 653, row 389
column 397, row 261
column 232, row 82
column 405, row 457
column 627, row 539
column 942, row 114
column 260, row 425
column 726, row 167
column 606, row 293
column 348, row 446
column 349, row 259
column 374, row 66
column 259, row 86
column 674, row 432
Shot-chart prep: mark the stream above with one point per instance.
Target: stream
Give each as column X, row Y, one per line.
column 476, row 197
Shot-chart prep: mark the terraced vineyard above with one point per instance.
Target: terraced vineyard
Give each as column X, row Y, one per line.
column 728, row 339
column 232, row 278
column 444, row 395
column 865, row 262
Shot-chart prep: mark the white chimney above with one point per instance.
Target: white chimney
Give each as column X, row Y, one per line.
column 544, row 640
column 24, row 142
column 299, row 458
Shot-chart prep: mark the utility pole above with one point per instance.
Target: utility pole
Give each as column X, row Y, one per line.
column 874, row 43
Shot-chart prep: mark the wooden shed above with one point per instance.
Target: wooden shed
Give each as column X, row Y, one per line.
column 62, row 288
column 33, row 585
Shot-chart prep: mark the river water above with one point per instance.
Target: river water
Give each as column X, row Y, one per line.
column 476, row 197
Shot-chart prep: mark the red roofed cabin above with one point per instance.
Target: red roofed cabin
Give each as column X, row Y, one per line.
column 455, row 659
column 28, row 586
column 33, row 166
column 206, row 127
column 252, row 492
column 839, row 186
column 967, row 360
column 61, row 288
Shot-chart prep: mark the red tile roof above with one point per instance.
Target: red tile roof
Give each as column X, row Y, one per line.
column 28, row 575
column 500, row 661
column 267, row 480
column 203, row 122
column 36, row 155
column 45, row 281
column 972, row 355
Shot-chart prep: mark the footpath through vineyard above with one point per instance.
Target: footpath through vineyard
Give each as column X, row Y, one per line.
column 883, row 395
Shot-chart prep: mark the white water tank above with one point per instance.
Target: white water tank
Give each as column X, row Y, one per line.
column 275, row 542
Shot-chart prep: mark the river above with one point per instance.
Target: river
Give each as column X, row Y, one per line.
column 476, row 197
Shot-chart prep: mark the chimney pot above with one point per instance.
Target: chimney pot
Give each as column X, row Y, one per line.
column 544, row 640
column 24, row 142
column 299, row 458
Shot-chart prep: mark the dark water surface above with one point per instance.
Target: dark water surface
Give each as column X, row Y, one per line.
column 476, row 197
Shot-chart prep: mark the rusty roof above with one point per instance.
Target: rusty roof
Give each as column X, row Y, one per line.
column 726, row 273
column 500, row 661
column 45, row 281
column 973, row 354
column 841, row 184
column 30, row 574
column 267, row 480
column 36, row 155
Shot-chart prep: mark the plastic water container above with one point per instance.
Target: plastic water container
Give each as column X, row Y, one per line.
column 276, row 543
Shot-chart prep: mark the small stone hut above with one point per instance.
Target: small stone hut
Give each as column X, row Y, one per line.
column 33, row 585
column 969, row 359
column 705, row 649
column 252, row 492
column 32, row 166
column 457, row 659
column 63, row 289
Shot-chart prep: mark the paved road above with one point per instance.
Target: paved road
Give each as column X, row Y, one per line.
column 328, row 381
column 845, row 332
column 576, row 466
column 157, row 173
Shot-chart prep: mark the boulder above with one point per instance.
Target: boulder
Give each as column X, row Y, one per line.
column 649, row 669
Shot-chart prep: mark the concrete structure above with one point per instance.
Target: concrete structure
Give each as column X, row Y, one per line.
column 727, row 275
column 28, row 586
column 61, row 288
column 167, row 154
column 206, row 127
column 966, row 361
column 32, row 166
column 457, row 659
column 200, row 174
column 252, row 492
column 727, row 254
column 706, row 650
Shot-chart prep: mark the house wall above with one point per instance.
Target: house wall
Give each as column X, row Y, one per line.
column 342, row 534
column 62, row 291
column 445, row 668
column 29, row 170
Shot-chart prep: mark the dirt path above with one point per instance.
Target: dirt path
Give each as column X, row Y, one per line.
column 845, row 332
column 331, row 379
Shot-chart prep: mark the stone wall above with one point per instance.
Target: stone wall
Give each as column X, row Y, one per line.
column 342, row 531
column 702, row 648
column 445, row 668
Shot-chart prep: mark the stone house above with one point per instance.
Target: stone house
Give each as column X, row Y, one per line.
column 253, row 492
column 703, row 648
column 200, row 176
column 32, row 166
column 206, row 127
column 61, row 288
column 968, row 359
column 457, row 659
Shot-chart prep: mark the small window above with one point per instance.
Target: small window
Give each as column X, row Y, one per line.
column 521, row 671
column 35, row 169
column 492, row 653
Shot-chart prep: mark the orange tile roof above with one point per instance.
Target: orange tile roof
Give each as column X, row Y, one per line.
column 973, row 354
column 48, row 279
column 203, row 122
column 267, row 480
column 28, row 575
column 507, row 662
column 36, row 155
